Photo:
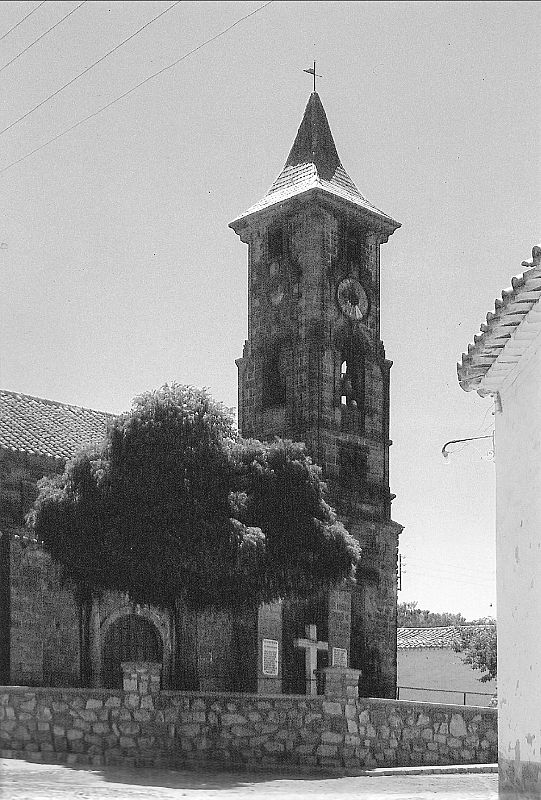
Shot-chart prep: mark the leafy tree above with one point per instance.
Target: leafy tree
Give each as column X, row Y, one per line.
column 478, row 643
column 409, row 616
column 175, row 508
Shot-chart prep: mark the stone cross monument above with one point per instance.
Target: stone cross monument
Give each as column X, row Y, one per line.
column 311, row 647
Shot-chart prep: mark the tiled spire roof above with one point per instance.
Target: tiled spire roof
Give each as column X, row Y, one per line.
column 313, row 163
column 44, row 427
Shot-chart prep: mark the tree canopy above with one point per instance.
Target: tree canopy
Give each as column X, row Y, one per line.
column 176, row 507
column 478, row 645
column 410, row 616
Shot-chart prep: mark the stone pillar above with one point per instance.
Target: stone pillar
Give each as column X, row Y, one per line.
column 341, row 682
column 269, row 648
column 339, row 627
column 141, row 677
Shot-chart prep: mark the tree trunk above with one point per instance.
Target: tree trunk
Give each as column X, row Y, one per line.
column 185, row 667
column 85, row 613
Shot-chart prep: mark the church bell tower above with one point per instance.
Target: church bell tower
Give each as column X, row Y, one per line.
column 313, row 367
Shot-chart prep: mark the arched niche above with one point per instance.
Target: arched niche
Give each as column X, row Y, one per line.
column 133, row 633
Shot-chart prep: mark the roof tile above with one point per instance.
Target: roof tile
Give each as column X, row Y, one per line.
column 409, row 638
column 496, row 341
column 47, row 428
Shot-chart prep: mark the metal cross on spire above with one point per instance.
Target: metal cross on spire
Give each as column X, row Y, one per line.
column 312, row 71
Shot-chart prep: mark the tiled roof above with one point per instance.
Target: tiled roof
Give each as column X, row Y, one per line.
column 44, row 427
column 408, row 638
column 313, row 163
column 516, row 320
column 425, row 637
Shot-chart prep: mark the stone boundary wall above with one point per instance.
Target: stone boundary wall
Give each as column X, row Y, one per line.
column 96, row 727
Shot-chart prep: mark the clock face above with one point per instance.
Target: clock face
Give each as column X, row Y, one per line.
column 352, row 299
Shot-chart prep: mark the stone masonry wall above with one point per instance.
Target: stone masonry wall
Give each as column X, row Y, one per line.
column 96, row 727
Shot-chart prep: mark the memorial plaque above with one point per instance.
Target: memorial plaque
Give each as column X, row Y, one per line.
column 339, row 657
column 270, row 657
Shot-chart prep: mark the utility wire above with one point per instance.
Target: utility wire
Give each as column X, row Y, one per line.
column 69, row 83
column 26, row 49
column 142, row 83
column 22, row 20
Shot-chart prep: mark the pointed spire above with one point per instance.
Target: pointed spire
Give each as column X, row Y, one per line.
column 314, row 143
column 313, row 163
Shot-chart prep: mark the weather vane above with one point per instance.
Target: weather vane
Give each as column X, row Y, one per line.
column 312, row 71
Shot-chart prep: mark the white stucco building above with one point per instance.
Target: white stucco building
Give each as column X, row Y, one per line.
column 505, row 362
column 428, row 669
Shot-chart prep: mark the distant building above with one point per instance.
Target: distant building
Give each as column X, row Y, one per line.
column 505, row 362
column 428, row 669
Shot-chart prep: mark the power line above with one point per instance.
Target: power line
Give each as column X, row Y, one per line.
column 415, row 561
column 424, row 570
column 481, row 583
column 69, row 83
column 26, row 49
column 22, row 20
column 133, row 89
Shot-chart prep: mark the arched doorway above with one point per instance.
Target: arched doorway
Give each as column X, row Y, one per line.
column 129, row 638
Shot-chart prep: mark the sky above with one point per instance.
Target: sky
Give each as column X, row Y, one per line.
column 118, row 271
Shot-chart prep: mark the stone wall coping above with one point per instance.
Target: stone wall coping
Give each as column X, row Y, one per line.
column 61, row 690
column 372, row 701
column 420, row 703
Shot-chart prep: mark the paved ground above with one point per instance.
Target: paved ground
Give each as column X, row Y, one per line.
column 20, row 780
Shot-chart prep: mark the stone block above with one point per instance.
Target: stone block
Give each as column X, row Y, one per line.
column 233, row 719
column 273, row 747
column 189, row 729
column 132, row 700
column 93, row 703
column 267, row 728
column 457, row 726
column 100, row 728
column 140, row 715
column 129, row 728
column 241, row 730
column 88, row 716
column 331, row 708
column 328, row 737
column 127, row 743
column 326, row 750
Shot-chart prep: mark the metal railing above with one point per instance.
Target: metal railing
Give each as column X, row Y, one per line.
column 442, row 691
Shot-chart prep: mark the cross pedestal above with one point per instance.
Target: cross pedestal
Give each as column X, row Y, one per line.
column 311, row 646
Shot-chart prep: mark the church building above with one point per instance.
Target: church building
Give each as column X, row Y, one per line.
column 314, row 370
